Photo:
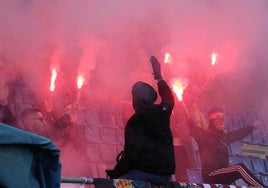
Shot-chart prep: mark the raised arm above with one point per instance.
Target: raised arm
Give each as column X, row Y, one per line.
column 167, row 98
column 165, row 94
column 237, row 134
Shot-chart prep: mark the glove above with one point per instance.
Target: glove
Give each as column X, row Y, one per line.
column 156, row 68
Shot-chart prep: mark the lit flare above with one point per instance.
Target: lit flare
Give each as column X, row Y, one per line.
column 53, row 80
column 178, row 87
column 213, row 58
column 167, row 58
column 80, row 81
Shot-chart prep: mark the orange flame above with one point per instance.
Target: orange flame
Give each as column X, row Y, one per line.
column 213, row 58
column 178, row 88
column 167, row 58
column 53, row 80
column 80, row 81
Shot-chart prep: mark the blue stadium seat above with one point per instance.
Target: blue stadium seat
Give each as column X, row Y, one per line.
column 264, row 179
column 235, row 159
column 108, row 119
column 237, row 123
column 92, row 134
column 228, row 123
column 265, row 137
column 266, row 164
column 93, row 117
column 247, row 161
column 235, row 148
column 257, row 137
column 258, row 165
column 108, row 152
column 108, row 135
column 194, row 176
column 248, row 139
column 240, row 182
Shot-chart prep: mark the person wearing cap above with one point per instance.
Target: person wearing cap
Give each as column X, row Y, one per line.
column 148, row 153
column 213, row 150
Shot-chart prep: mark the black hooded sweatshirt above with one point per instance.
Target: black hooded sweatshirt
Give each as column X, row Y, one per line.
column 148, row 138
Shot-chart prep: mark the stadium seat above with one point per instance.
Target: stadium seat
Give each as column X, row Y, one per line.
column 194, row 176
column 258, row 165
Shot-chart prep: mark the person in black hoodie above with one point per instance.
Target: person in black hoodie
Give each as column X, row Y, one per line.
column 213, row 149
column 148, row 153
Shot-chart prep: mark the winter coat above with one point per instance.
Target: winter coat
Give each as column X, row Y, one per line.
column 148, row 139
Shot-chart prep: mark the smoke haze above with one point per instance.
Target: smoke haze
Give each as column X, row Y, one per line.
column 110, row 42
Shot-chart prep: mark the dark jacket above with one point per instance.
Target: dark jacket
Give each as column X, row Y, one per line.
column 148, row 139
column 213, row 145
column 28, row 160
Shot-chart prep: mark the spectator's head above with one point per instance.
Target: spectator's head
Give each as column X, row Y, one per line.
column 33, row 120
column 143, row 95
column 216, row 118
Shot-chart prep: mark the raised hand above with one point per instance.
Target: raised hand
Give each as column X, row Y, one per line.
column 156, row 68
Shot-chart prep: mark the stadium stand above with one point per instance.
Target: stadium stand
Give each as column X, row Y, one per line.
column 104, row 131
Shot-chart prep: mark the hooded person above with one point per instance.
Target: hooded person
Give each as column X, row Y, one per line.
column 148, row 153
column 143, row 96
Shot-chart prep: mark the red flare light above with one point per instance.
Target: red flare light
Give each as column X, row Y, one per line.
column 213, row 58
column 167, row 58
column 178, row 88
column 178, row 91
column 80, row 81
column 53, row 80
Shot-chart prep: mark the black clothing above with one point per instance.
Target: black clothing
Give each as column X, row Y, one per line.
column 213, row 146
column 148, row 139
column 229, row 174
column 213, row 150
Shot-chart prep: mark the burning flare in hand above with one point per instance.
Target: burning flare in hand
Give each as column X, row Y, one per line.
column 178, row 88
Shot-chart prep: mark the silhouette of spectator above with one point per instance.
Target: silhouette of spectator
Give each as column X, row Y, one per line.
column 148, row 152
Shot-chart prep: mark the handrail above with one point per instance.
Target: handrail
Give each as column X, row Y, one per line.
column 81, row 180
column 103, row 181
column 84, row 180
